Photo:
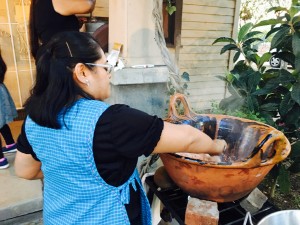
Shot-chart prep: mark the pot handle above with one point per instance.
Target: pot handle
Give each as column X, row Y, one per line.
column 280, row 149
column 248, row 217
column 173, row 114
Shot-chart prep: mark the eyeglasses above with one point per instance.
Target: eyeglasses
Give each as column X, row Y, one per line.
column 107, row 67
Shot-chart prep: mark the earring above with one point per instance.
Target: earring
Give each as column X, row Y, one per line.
column 87, row 82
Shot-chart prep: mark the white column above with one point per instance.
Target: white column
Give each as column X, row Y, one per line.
column 131, row 24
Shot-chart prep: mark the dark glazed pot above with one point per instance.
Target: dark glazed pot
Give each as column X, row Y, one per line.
column 253, row 149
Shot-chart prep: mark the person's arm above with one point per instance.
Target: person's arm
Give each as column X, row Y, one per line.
column 137, row 133
column 27, row 167
column 71, row 7
column 185, row 138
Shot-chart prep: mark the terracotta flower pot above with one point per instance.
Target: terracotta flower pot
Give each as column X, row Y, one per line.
column 253, row 149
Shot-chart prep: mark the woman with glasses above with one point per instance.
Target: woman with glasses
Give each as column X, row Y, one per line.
column 49, row 17
column 85, row 149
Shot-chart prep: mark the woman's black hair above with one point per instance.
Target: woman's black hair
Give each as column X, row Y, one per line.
column 3, row 69
column 55, row 90
column 33, row 36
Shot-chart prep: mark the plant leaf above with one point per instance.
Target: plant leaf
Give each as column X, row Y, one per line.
column 288, row 57
column 254, row 58
column 297, row 64
column 295, row 93
column 269, row 107
column 253, row 81
column 236, row 56
column 233, row 91
column 285, row 77
column 264, row 58
column 294, row 10
column 244, row 30
column 249, row 41
column 296, row 27
column 293, row 118
column 272, row 84
column 224, row 39
column 228, row 47
column 279, row 37
column 295, row 167
column 231, row 103
column 273, row 30
column 296, row 45
column 252, row 103
column 286, row 105
column 267, row 117
column 269, row 22
column 283, row 180
column 287, row 16
column 185, row 76
column 171, row 9
column 277, row 9
column 295, row 19
column 222, row 78
column 261, row 91
column 295, row 151
column 251, row 35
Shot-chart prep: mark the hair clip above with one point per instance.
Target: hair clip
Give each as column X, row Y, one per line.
column 69, row 49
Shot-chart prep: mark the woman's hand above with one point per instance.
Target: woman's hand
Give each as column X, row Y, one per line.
column 220, row 146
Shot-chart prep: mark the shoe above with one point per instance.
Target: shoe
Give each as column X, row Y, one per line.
column 4, row 164
column 12, row 148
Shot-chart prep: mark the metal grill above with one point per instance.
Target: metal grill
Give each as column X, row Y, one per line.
column 175, row 202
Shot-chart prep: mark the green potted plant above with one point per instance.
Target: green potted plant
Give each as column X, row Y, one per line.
column 271, row 94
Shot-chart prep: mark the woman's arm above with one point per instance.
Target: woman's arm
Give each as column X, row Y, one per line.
column 27, row 167
column 71, row 7
column 185, row 138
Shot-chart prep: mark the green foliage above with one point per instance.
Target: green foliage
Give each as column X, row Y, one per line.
column 172, row 90
column 274, row 94
column 215, row 109
column 283, row 180
column 184, row 77
column 170, row 7
column 295, row 158
column 244, row 45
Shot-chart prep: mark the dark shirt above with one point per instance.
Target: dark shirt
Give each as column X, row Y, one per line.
column 48, row 22
column 122, row 134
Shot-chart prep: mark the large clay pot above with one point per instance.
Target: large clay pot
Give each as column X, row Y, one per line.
column 253, row 149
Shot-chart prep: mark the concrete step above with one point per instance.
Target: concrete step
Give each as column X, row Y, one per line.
column 29, row 219
column 19, row 197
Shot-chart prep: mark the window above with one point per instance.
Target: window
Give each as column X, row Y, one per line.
column 172, row 23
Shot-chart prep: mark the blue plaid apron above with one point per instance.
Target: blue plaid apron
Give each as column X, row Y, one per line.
column 74, row 192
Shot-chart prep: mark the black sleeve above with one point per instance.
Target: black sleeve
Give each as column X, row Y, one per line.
column 133, row 132
column 23, row 144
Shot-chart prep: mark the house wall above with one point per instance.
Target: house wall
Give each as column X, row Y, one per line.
column 202, row 22
column 101, row 8
column 14, row 45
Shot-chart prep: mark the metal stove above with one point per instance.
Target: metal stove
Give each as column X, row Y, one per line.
column 175, row 202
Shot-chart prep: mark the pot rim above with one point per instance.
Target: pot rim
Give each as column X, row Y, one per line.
column 266, row 218
column 222, row 165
